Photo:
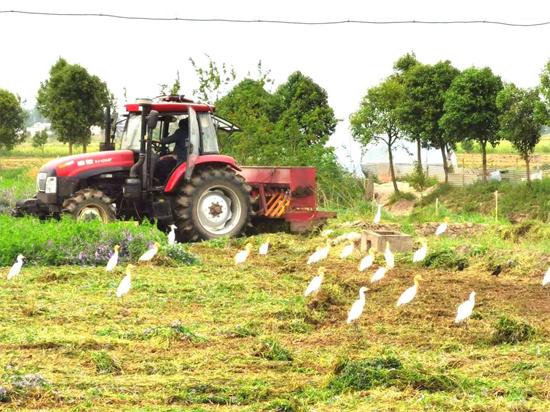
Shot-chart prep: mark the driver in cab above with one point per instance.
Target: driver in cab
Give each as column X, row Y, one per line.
column 179, row 137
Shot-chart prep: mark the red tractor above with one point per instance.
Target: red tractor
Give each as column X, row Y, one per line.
column 206, row 196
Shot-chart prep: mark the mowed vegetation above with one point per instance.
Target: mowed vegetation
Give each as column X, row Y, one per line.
column 201, row 334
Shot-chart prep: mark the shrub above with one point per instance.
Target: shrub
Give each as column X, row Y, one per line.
column 67, row 242
column 512, row 331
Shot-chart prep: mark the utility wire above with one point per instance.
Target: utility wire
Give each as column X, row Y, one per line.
column 268, row 21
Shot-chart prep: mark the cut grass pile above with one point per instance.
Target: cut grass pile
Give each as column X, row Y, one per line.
column 68, row 242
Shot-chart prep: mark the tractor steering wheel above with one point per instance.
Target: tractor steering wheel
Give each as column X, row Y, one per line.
column 157, row 147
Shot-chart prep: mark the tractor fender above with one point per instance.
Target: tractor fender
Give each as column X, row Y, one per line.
column 215, row 160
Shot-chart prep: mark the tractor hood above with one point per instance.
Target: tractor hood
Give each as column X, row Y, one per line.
column 87, row 163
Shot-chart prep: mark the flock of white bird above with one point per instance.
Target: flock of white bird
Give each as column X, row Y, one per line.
column 464, row 310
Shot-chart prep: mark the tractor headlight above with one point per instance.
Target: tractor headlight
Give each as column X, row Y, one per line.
column 51, row 184
column 41, row 181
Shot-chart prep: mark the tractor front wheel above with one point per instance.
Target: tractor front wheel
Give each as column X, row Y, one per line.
column 215, row 203
column 90, row 204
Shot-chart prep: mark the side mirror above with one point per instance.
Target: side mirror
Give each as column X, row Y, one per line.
column 152, row 119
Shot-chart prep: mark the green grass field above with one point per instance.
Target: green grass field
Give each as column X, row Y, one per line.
column 202, row 334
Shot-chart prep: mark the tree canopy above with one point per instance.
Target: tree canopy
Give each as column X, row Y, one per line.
column 12, row 120
column 470, row 110
column 423, row 106
column 522, row 118
column 378, row 117
column 73, row 101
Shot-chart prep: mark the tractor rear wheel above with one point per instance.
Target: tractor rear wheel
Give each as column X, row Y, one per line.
column 90, row 204
column 215, row 203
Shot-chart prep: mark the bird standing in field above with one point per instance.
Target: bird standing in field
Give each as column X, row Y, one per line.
column 410, row 293
column 150, row 254
column 347, row 251
column 367, row 261
column 264, row 247
column 243, row 254
column 378, row 215
column 113, row 260
column 379, row 274
column 16, row 268
column 319, row 254
column 315, row 283
column 357, row 307
column 388, row 255
column 172, row 235
column 546, row 278
column 326, row 232
column 421, row 253
column 465, row 309
column 442, row 228
column 126, row 282
column 353, row 236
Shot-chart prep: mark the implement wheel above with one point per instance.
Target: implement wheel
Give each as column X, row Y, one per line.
column 90, row 204
column 215, row 203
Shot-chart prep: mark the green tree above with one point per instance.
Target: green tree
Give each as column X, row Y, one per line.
column 213, row 80
column 73, row 100
column 522, row 118
column 12, row 120
column 254, row 110
column 40, row 139
column 471, row 111
column 422, row 107
column 407, row 117
column 378, row 118
column 545, row 83
column 306, row 103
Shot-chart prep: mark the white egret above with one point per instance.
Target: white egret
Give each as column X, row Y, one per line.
column 353, row 236
column 388, row 255
column 16, row 268
column 319, row 254
column 442, row 227
column 367, row 261
column 264, row 247
column 357, row 307
column 347, row 251
column 379, row 274
column 315, row 283
column 113, row 260
column 465, row 308
column 326, row 232
column 150, row 254
column 378, row 215
column 126, row 282
column 410, row 293
column 546, row 278
column 172, row 235
column 421, row 253
column 243, row 254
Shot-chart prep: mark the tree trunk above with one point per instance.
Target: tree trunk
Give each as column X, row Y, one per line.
column 449, row 163
column 527, row 161
column 70, row 148
column 483, row 145
column 84, row 148
column 445, row 164
column 392, row 170
column 419, row 155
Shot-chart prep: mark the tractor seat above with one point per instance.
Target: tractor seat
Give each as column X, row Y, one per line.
column 164, row 167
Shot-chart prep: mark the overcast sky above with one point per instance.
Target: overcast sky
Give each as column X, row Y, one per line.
column 346, row 60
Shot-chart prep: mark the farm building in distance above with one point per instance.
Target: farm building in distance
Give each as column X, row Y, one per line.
column 375, row 160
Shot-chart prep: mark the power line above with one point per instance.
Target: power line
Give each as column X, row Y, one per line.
column 268, row 21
